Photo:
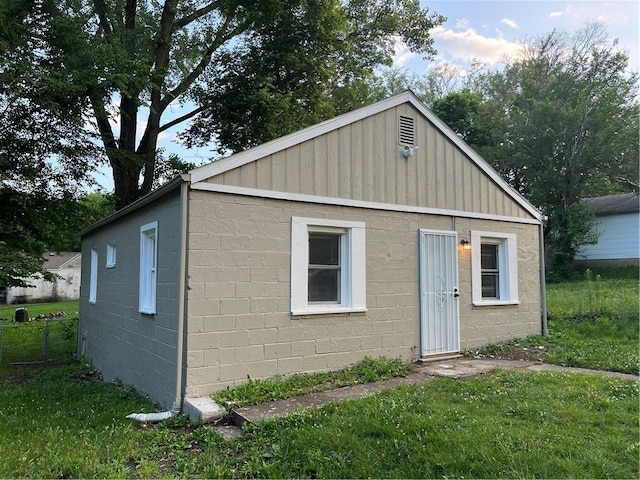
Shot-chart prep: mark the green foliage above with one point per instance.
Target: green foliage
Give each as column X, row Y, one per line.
column 570, row 109
column 261, row 391
column 254, row 69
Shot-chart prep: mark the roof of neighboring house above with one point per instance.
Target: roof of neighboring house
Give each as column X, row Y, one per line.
column 614, row 204
column 55, row 260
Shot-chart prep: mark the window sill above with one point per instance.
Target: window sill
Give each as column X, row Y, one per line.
column 495, row 303
column 147, row 312
column 326, row 311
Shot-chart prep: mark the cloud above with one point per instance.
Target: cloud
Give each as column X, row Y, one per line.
column 468, row 44
column 402, row 54
column 509, row 23
column 462, row 23
column 607, row 13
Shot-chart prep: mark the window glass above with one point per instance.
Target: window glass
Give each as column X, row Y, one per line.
column 111, row 255
column 490, row 261
column 93, row 277
column 324, row 268
column 148, row 271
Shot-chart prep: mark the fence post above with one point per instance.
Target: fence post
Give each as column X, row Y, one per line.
column 45, row 340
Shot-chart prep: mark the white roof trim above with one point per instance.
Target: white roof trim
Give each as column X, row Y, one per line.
column 242, row 158
column 347, row 202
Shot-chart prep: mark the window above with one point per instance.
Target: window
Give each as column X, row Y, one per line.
column 111, row 255
column 93, row 277
column 327, row 266
column 148, row 267
column 494, row 267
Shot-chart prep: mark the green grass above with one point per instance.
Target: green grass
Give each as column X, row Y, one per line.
column 508, row 425
column 34, row 309
column 261, row 391
column 62, row 422
column 594, row 324
column 24, row 342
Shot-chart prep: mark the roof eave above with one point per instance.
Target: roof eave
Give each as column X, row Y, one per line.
column 156, row 194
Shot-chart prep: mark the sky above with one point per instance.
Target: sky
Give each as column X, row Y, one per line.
column 486, row 30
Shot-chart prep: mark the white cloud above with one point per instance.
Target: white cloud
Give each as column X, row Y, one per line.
column 462, row 23
column 468, row 44
column 607, row 13
column 509, row 23
column 402, row 54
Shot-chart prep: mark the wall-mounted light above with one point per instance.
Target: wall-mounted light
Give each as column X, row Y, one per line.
column 409, row 151
column 465, row 244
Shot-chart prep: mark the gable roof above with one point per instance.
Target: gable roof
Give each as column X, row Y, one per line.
column 242, row 158
column 54, row 261
column 614, row 204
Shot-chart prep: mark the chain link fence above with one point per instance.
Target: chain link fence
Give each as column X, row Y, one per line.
column 46, row 340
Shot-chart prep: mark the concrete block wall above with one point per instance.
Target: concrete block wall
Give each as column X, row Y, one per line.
column 239, row 322
column 124, row 344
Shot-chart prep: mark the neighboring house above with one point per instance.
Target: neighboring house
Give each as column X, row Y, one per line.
column 618, row 230
column 66, row 285
column 309, row 253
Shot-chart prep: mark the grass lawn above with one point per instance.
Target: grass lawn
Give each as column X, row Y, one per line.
column 594, row 324
column 24, row 342
column 63, row 422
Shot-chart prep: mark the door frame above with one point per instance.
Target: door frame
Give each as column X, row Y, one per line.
column 454, row 345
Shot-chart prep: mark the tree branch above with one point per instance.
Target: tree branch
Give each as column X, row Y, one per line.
column 101, row 11
column 181, row 119
column 183, row 22
column 186, row 82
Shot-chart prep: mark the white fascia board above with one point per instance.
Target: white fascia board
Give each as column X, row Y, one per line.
column 234, row 161
column 475, row 158
column 242, row 158
column 346, row 202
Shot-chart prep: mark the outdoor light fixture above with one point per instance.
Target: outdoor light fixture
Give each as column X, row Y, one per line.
column 465, row 244
column 409, row 151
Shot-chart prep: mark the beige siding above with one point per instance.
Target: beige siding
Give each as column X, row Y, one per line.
column 363, row 161
column 239, row 321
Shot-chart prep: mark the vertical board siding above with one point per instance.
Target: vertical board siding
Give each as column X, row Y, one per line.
column 363, row 161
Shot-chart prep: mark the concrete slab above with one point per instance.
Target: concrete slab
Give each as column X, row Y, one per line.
column 202, row 409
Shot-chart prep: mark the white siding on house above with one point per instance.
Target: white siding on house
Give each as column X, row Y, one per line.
column 619, row 238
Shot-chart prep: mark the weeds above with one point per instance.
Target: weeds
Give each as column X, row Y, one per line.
column 260, row 391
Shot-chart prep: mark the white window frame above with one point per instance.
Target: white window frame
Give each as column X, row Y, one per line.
column 507, row 268
column 93, row 277
column 352, row 262
column 148, row 268
column 111, row 255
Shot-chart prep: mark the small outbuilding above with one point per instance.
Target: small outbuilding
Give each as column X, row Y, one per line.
column 618, row 231
column 379, row 232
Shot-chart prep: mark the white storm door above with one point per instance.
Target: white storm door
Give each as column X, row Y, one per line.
column 439, row 320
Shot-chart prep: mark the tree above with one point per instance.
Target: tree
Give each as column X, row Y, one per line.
column 570, row 113
column 43, row 160
column 250, row 69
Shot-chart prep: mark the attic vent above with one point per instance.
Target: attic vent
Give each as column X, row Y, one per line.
column 407, row 131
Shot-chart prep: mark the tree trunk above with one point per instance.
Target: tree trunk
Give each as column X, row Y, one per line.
column 125, row 181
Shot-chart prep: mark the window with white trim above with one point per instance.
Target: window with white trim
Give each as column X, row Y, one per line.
column 148, row 267
column 111, row 255
column 93, row 277
column 327, row 266
column 494, row 268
